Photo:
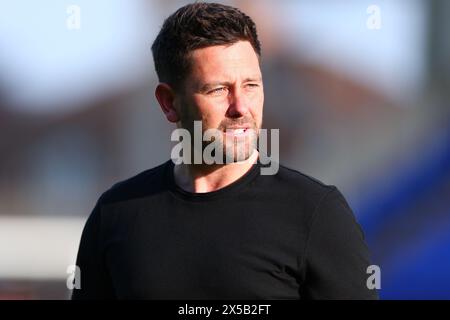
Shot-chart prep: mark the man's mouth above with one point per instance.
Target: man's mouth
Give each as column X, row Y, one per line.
column 236, row 131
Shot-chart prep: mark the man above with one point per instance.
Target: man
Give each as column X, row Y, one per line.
column 219, row 230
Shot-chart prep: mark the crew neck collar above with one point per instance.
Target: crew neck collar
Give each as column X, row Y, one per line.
column 231, row 188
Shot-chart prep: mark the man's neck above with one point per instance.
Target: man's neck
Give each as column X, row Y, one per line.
column 207, row 178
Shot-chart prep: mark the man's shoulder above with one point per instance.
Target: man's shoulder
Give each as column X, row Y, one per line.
column 311, row 193
column 298, row 181
column 140, row 185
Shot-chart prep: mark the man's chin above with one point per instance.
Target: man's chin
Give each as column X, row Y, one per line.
column 239, row 155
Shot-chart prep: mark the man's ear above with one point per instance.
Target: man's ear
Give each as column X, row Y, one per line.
column 166, row 97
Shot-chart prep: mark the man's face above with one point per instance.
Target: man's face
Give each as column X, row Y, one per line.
column 225, row 90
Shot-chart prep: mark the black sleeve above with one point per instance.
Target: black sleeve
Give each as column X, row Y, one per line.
column 94, row 277
column 336, row 257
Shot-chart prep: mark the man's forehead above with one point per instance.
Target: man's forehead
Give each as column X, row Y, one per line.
column 219, row 64
column 238, row 55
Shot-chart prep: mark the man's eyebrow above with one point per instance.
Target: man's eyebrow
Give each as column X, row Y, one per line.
column 210, row 85
column 253, row 79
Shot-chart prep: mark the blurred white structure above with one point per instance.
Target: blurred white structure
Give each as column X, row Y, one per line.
column 38, row 248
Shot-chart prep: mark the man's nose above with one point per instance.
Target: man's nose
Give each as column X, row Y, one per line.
column 238, row 105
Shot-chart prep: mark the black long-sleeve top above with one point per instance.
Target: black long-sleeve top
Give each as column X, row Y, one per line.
column 282, row 236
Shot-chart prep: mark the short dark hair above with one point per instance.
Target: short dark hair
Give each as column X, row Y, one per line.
column 194, row 26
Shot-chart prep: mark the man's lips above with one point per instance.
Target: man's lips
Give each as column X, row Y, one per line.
column 236, row 131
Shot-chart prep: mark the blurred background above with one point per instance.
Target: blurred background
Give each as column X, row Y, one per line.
column 359, row 90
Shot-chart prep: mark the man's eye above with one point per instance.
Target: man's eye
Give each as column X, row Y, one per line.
column 218, row 90
column 252, row 85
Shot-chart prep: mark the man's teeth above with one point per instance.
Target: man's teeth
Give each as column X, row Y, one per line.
column 237, row 131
